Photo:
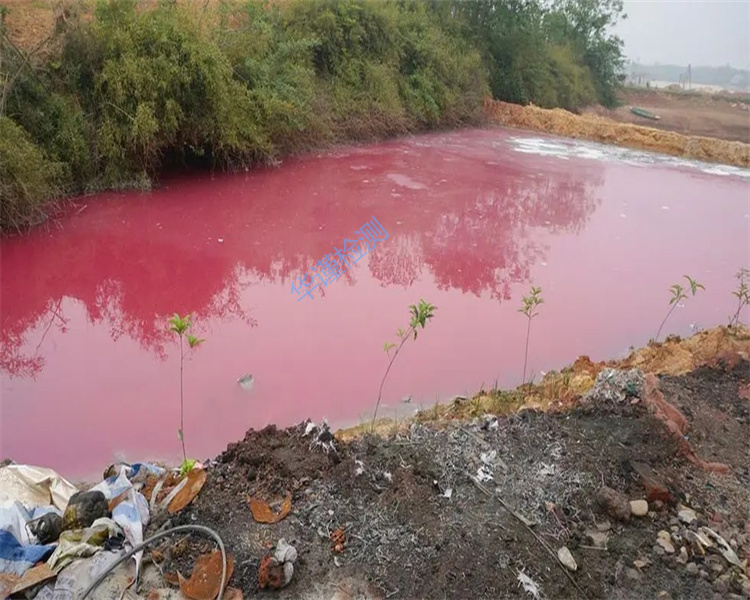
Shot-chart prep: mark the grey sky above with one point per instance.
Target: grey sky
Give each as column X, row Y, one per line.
column 700, row 32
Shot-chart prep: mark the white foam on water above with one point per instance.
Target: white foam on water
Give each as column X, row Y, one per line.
column 566, row 149
column 406, row 181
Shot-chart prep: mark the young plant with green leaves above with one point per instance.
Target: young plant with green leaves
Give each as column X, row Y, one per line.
column 530, row 309
column 679, row 294
column 742, row 293
column 420, row 314
column 181, row 326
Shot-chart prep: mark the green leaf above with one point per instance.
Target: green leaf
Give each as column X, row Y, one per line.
column 194, row 341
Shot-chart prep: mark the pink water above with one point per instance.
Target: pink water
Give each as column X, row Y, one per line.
column 89, row 373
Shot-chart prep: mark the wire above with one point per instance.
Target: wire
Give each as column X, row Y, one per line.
column 102, row 576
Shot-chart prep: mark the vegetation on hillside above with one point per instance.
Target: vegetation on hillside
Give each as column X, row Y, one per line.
column 123, row 90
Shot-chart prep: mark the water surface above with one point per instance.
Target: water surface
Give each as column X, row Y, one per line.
column 90, row 374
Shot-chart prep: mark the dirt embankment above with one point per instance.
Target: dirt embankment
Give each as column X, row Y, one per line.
column 603, row 129
column 464, row 507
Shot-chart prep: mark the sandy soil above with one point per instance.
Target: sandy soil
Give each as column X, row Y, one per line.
column 415, row 520
column 721, row 116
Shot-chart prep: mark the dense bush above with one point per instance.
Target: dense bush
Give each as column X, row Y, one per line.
column 127, row 88
column 27, row 178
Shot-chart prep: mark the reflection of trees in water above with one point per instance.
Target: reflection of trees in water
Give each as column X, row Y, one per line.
column 484, row 244
column 131, row 282
column 398, row 260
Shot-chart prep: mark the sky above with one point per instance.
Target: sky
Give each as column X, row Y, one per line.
column 699, row 32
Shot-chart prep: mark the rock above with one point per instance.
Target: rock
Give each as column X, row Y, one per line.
column 663, row 595
column 614, row 503
column 640, row 564
column 692, row 568
column 716, row 567
column 567, row 559
column 746, row 588
column 683, row 556
column 658, row 550
column 83, row 509
column 633, row 574
column 721, row 586
column 598, row 538
column 665, row 541
column 703, row 574
column 639, row 508
column 687, row 515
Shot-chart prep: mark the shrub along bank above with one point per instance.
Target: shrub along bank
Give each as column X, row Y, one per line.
column 124, row 89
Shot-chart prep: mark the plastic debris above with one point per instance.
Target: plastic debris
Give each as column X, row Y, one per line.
column 448, row 493
column 360, row 467
column 614, row 385
column 34, row 487
column 484, row 474
column 205, row 580
column 263, row 513
column 726, row 550
column 246, row 382
column 529, row 585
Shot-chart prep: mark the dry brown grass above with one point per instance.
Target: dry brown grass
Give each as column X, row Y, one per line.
column 591, row 127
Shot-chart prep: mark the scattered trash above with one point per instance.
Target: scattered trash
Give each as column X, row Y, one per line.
column 32, row 578
column 490, row 423
column 360, row 467
column 78, row 543
column 484, row 474
column 83, row 509
column 276, row 570
column 246, row 382
column 323, row 437
column 726, row 550
column 263, row 513
column 187, row 490
column 529, row 585
column 448, row 493
column 488, row 458
column 566, row 558
column 338, row 540
column 34, row 487
column 614, row 385
column 205, row 580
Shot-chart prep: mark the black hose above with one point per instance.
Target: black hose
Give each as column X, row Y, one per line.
column 102, row 576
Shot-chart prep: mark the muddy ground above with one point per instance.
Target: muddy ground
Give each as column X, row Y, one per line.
column 417, row 525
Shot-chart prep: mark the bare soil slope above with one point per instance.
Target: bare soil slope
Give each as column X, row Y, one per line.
column 416, row 524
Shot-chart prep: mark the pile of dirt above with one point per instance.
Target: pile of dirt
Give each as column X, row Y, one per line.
column 480, row 508
column 599, row 129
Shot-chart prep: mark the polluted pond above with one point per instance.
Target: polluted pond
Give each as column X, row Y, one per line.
column 635, row 485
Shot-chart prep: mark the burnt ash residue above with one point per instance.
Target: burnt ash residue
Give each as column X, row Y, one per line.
column 417, row 526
